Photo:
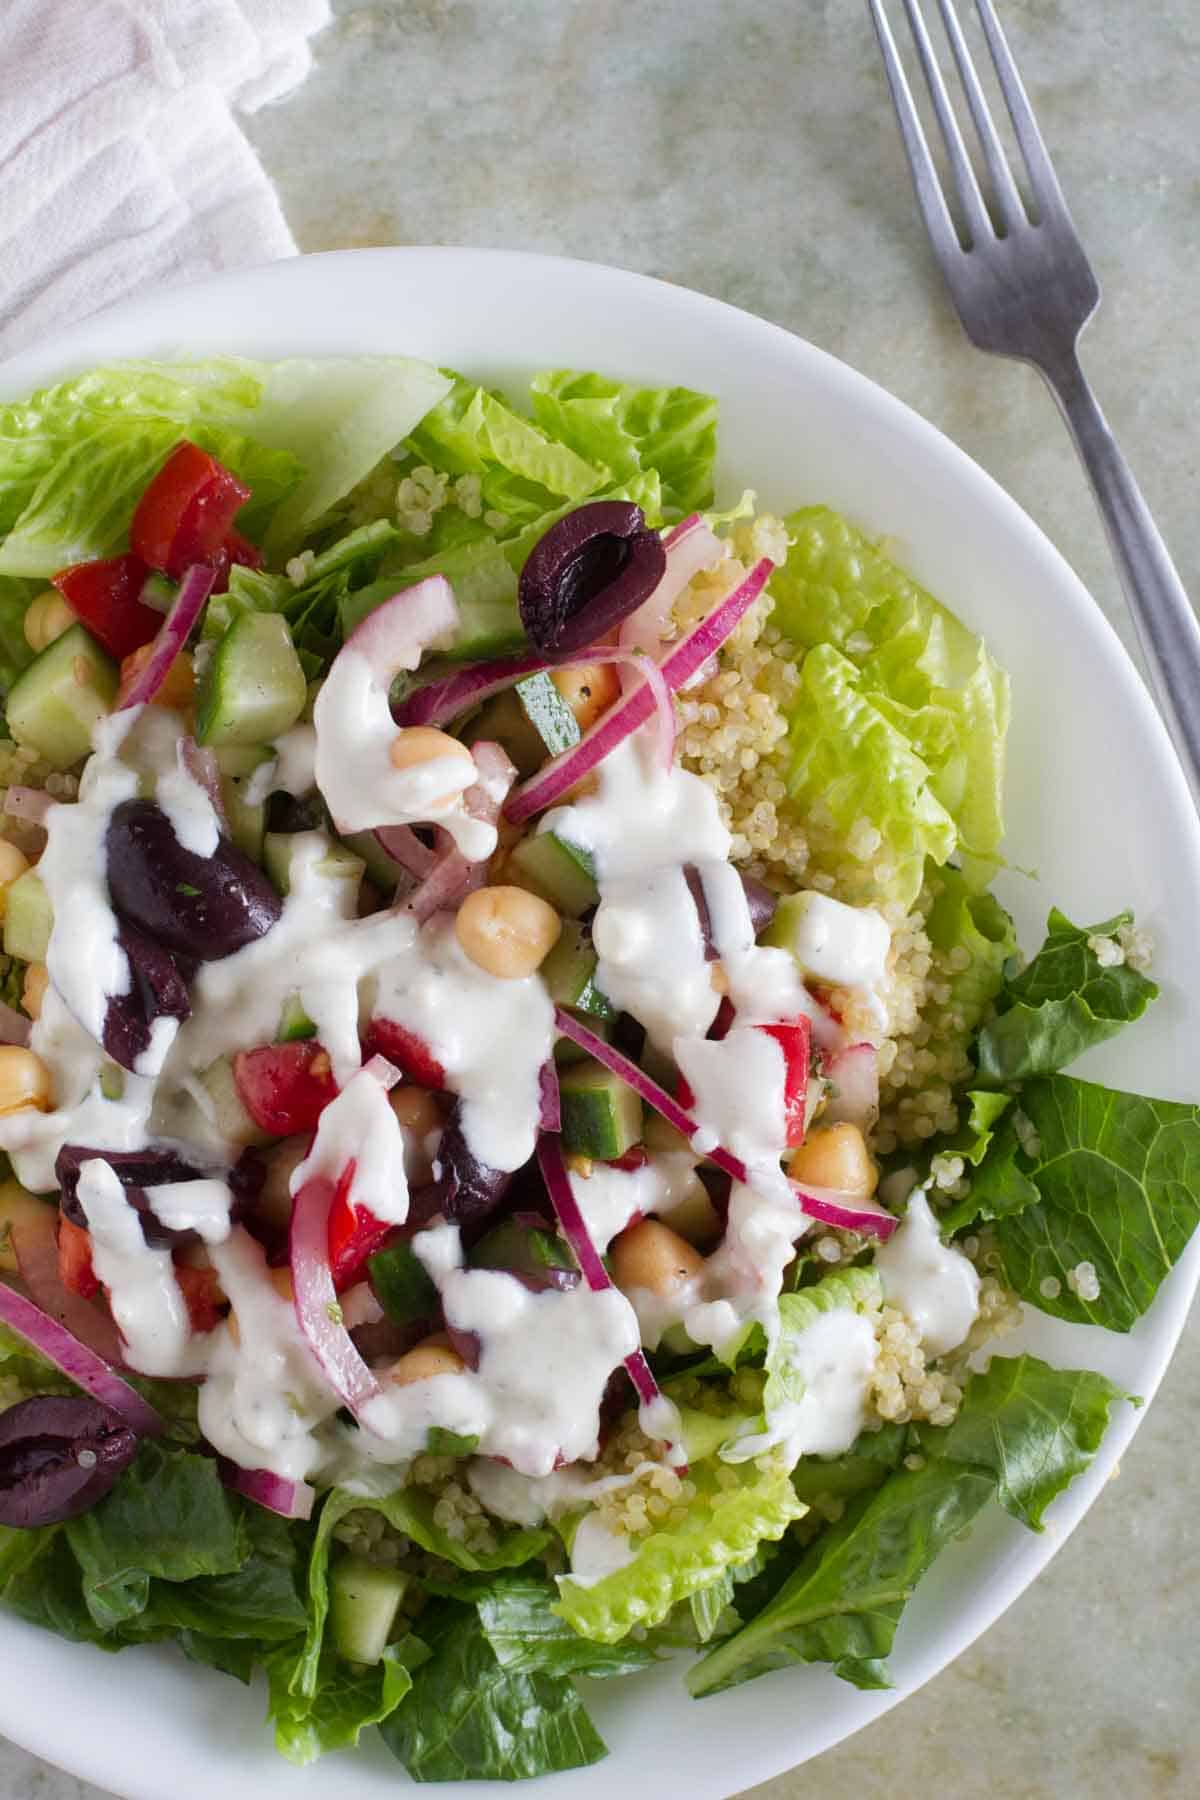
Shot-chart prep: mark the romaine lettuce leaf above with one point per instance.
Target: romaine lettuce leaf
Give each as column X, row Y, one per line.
column 977, row 923
column 868, row 1463
column 259, row 1600
column 626, row 429
column 848, row 762
column 15, row 654
column 346, row 1698
column 725, row 1524
column 527, row 1636
column 1034, row 1427
column 469, row 1717
column 1095, row 1176
column 1060, row 1005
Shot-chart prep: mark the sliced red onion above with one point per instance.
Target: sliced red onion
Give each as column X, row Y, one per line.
column 854, row 1073
column 14, row 1026
column 394, row 636
column 452, row 876
column 35, row 1244
column 318, row 1311
column 442, row 888
column 574, row 1229
column 437, row 701
column 562, row 772
column 201, row 764
column 290, row 1499
column 405, row 848
column 638, row 666
column 173, row 634
column 833, row 1207
column 76, row 1360
column 550, row 1117
column 646, row 1088
column 31, row 804
column 690, row 547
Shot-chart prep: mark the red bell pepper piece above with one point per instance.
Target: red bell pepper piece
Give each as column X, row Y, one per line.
column 795, row 1040
column 285, row 1087
column 354, row 1232
column 75, row 1269
column 636, row 1157
column 410, row 1054
column 201, row 1290
column 107, row 596
column 186, row 513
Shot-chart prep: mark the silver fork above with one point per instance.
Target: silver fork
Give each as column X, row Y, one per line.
column 1024, row 288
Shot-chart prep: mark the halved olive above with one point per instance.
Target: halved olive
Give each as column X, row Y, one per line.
column 587, row 573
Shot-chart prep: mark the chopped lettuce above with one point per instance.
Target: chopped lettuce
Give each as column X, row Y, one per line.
column 725, row 1524
column 1062, row 1004
column 916, row 669
column 628, row 429
column 977, row 923
column 526, row 1635
column 345, row 1699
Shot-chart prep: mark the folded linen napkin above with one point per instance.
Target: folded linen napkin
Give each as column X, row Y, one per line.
column 122, row 164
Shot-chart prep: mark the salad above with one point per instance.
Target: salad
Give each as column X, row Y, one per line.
column 525, row 1122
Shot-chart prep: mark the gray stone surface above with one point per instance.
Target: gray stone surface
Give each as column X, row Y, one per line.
column 747, row 149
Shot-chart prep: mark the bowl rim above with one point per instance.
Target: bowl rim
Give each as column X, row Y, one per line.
column 65, row 352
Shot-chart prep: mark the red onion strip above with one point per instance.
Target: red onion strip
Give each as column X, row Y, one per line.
column 79, row 1363
column 405, row 848
column 436, row 701
column 691, row 546
column 452, row 876
column 562, row 772
column 833, row 1207
column 173, row 634
column 315, row 1298
column 290, row 1499
column 550, row 1117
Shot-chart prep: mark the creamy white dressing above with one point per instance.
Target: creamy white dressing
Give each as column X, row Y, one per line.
column 596, row 1551
column 738, row 1086
column 189, row 809
column 490, row 1036
column 362, row 787
column 201, row 1206
column 933, row 1283
column 528, row 1499
column 360, row 1127
column 835, row 1358
column 144, row 1296
column 609, row 1198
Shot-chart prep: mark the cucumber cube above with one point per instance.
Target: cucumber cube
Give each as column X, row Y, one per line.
column 54, row 705
column 601, row 1116
column 560, row 872
column 569, row 973
column 253, row 688
column 363, row 1603
column 28, row 918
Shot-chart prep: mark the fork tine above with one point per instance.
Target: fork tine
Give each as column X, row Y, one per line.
column 930, row 199
column 1042, row 179
column 1008, row 198
column 978, row 223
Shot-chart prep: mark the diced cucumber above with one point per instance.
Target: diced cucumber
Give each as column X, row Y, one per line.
column 253, row 688
column 559, row 871
column 227, row 1115
column 504, row 721
column 17, row 1207
column 336, row 864
column 379, row 865
column 53, row 706
column 659, row 1135
column 402, row 1285
column 363, row 1603
column 294, row 1022
column 523, row 1248
column 601, row 1117
column 28, row 918
column 548, row 712
column 567, row 1051
column 569, row 973
column 247, row 821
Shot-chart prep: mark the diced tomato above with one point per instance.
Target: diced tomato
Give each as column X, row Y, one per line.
column 75, row 1269
column 795, row 1040
column 186, row 513
column 201, row 1290
column 409, row 1053
column 242, row 551
column 635, row 1157
column 106, row 595
column 354, row 1233
column 285, row 1087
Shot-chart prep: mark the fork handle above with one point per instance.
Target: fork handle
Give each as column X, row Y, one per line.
column 1166, row 624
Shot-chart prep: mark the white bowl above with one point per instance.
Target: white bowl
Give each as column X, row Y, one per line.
column 1097, row 805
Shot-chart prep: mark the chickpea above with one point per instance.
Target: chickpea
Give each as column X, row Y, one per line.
column 650, row 1255
column 179, row 685
column 417, row 744
column 46, row 618
column 432, row 1356
column 273, row 1204
column 835, row 1156
column 506, row 930
column 33, row 990
column 24, row 1081
column 13, row 863
column 589, row 690
column 281, row 1281
column 418, row 1110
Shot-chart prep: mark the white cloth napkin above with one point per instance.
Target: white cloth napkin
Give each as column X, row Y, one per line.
column 122, row 164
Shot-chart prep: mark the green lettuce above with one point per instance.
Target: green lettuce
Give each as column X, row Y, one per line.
column 917, row 669
column 345, row 1698
column 626, row 429
column 724, row 1526
column 1062, row 1004
column 526, row 1635
column 1095, row 1176
column 977, row 923
column 469, row 1716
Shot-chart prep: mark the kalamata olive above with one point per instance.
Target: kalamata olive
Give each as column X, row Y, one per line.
column 157, row 990
column 58, row 1456
column 201, row 906
column 467, row 1344
column 587, row 573
column 695, row 886
column 762, row 902
column 464, row 1190
column 285, row 812
column 523, row 1246
column 136, row 1170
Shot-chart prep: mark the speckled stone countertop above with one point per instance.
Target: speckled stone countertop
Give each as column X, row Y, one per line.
column 746, row 148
